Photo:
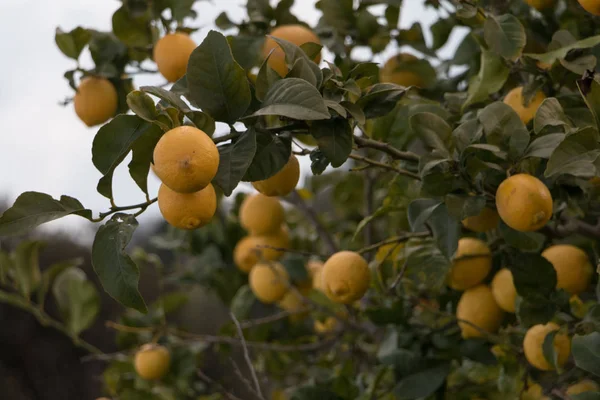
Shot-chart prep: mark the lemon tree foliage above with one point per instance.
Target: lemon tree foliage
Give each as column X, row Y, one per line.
column 443, row 245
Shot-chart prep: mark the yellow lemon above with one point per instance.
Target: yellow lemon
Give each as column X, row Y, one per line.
column 486, row 221
column 152, row 361
column 583, row 386
column 172, row 53
column 346, row 277
column 187, row 210
column 250, row 250
column 283, row 182
column 478, row 306
column 472, row 263
column 504, row 290
column 261, row 215
column 395, row 71
column 573, row 268
column 269, row 282
column 293, row 303
column 534, row 392
column 591, row 6
column 534, row 341
column 514, row 99
column 540, row 4
column 96, row 100
column 296, row 34
column 186, row 159
column 524, row 203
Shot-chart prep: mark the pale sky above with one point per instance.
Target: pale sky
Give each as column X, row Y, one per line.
column 43, row 146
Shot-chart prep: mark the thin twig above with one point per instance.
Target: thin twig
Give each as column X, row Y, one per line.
column 293, row 251
column 369, row 184
column 397, row 239
column 385, row 166
column 243, row 378
column 312, row 216
column 269, row 318
column 385, row 148
column 227, row 137
column 115, row 209
column 247, row 355
column 220, row 388
column 398, row 278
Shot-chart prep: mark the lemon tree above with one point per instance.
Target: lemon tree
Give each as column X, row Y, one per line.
column 384, row 213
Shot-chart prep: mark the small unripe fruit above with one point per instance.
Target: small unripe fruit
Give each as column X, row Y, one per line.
column 152, row 361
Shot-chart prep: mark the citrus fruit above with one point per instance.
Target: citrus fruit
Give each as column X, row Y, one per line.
column 524, row 203
column 514, row 99
column 534, row 341
column 96, row 100
column 583, row 386
column 250, row 250
column 296, row 34
column 260, row 214
column 186, row 159
column 472, row 263
column 478, row 306
column 504, row 290
column 540, row 4
column 187, row 210
column 152, row 361
column 397, row 70
column 283, row 182
column 486, row 221
column 269, row 282
column 573, row 268
column 172, row 53
column 591, row 6
column 346, row 277
column 294, row 304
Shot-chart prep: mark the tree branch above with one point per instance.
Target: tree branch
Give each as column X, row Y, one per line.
column 115, row 209
column 385, row 166
column 397, row 239
column 386, row 148
column 220, row 388
column 247, row 356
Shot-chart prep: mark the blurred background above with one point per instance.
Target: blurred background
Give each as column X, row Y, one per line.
column 44, row 147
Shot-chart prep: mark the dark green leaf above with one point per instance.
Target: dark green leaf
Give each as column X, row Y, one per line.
column 142, row 105
column 27, row 268
column 308, row 69
column 426, row 267
column 33, row 208
column 549, row 351
column 544, row 146
column 536, row 310
column 51, row 273
column 217, row 83
column 446, row 230
column 419, row 212
column 133, row 31
column 334, row 137
column 117, row 272
column 590, row 90
column 235, row 158
column 313, row 392
column 578, row 155
column 319, row 162
column 550, row 113
column 242, row 302
column 492, row 75
column 533, row 275
column 338, row 14
column 441, row 31
column 143, row 151
column 72, row 43
column 503, row 127
column 433, row 130
column 77, row 299
column 223, row 22
column 586, row 352
column 272, row 153
column 265, row 79
column 525, row 241
column 423, row 383
column 505, row 35
column 560, row 53
column 380, row 99
column 294, row 98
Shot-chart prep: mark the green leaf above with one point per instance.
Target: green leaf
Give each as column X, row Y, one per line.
column 590, row 90
column 242, row 302
column 72, row 43
column 77, row 299
column 550, row 113
column 505, row 35
column 380, row 99
column 235, row 158
column 51, row 273
column 533, row 275
column 586, row 396
column 170, row 302
column 27, row 268
column 223, row 22
column 6, row 267
column 313, row 392
column 171, row 97
column 524, row 241
column 112, row 144
column 492, row 75
column 441, row 31
column 265, row 79
column 586, row 352
column 423, row 383
column 334, row 137
column 117, row 272
column 433, row 130
column 446, row 230
column 462, row 207
column 338, row 14
column 307, row 68
column 295, row 265
column 426, row 267
column 419, row 212
column 294, row 98
column 217, row 83
column 549, row 350
column 319, row 162
column 534, row 310
column 246, row 49
column 544, row 146
column 272, row 153
column 33, row 208
column 578, row 155
column 133, row 31
column 142, row 105
column 143, row 152
column 561, row 53
column 503, row 127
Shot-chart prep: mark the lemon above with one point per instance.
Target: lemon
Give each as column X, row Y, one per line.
column 591, row 6
column 583, row 386
column 261, row 215
column 250, row 250
column 346, row 277
column 504, row 290
column 486, row 221
column 152, row 361
column 172, row 53
column 283, row 182
column 96, row 100
column 540, row 4
column 478, row 306
column 514, row 99
column 395, row 71
column 187, row 210
column 296, row 34
column 269, row 282
column 573, row 268
column 472, row 263
column 534, row 341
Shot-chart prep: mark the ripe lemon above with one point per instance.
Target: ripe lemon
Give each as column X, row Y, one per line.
column 96, row 100
column 524, row 203
column 393, row 71
column 472, row 263
column 314, row 266
column 296, row 34
column 477, row 306
column 591, row 6
column 261, row 215
column 152, row 361
column 269, row 282
column 583, row 386
column 346, row 277
column 186, row 159
column 283, row 182
column 293, row 303
column 534, row 340
column 317, row 281
column 249, row 250
column 172, row 53
column 486, row 221
column 534, row 392
column 572, row 265
column 540, row 4
column 391, row 250
column 187, row 210
column 514, row 99
column 504, row 290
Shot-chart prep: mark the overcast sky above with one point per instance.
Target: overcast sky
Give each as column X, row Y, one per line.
column 44, row 147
